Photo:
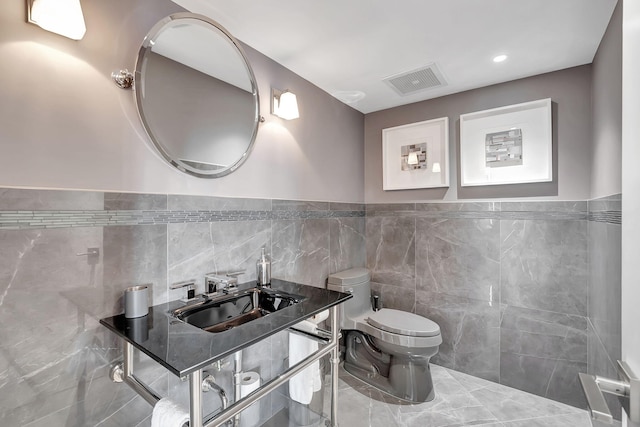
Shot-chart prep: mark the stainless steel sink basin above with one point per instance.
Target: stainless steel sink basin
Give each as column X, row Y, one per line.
column 221, row 313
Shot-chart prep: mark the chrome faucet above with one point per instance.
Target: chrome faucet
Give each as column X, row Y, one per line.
column 214, row 283
column 191, row 288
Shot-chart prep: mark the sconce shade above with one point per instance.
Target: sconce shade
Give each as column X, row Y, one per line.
column 62, row 17
column 286, row 106
column 436, row 167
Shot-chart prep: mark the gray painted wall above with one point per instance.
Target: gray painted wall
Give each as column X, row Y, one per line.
column 64, row 124
column 570, row 92
column 606, row 165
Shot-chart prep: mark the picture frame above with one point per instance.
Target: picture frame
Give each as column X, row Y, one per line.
column 416, row 155
column 507, row 145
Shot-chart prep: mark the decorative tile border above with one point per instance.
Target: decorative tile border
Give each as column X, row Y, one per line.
column 485, row 210
column 32, row 209
column 17, row 220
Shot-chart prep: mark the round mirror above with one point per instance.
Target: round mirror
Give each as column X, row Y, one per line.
column 197, row 95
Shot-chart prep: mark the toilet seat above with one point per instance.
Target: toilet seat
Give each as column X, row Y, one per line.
column 403, row 323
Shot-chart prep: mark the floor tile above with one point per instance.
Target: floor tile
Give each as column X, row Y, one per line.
column 461, row 400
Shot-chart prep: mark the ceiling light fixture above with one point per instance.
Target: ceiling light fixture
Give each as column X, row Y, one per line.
column 284, row 104
column 500, row 58
column 62, row 17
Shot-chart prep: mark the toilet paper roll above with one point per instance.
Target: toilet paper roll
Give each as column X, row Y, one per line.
column 249, row 382
column 320, row 317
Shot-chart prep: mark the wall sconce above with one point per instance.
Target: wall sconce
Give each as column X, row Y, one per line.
column 62, row 17
column 284, row 104
column 436, row 167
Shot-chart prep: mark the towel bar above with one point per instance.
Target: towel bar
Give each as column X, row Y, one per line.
column 628, row 387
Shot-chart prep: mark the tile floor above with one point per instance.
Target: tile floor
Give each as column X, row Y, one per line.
column 461, row 400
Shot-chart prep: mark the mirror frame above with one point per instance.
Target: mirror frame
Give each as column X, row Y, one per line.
column 146, row 47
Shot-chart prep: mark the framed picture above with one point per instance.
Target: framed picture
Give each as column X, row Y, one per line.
column 507, row 145
column 416, row 155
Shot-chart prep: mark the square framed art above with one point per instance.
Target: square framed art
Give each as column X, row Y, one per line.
column 507, row 145
column 416, row 155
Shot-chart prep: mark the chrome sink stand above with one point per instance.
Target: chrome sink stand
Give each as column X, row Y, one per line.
column 127, row 376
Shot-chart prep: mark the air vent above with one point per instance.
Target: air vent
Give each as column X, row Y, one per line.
column 414, row 81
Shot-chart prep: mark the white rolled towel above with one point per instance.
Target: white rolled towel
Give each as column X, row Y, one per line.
column 303, row 385
column 168, row 413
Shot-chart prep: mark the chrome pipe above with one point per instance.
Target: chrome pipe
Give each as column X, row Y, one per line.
column 237, row 382
column 335, row 361
column 209, row 383
column 138, row 386
column 195, row 399
column 269, row 387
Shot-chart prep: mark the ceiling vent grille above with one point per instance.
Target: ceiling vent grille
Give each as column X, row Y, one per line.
column 410, row 82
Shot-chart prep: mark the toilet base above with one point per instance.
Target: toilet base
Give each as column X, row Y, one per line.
column 407, row 378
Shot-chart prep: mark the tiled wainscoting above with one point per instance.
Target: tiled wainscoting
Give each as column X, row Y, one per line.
column 604, row 289
column 508, row 283
column 517, row 288
column 54, row 356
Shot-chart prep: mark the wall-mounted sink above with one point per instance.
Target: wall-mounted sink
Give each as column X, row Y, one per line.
column 221, row 313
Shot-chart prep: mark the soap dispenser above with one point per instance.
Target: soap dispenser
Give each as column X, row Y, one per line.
column 263, row 268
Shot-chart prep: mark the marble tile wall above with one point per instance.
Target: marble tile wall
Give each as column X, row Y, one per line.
column 508, row 283
column 519, row 289
column 604, row 339
column 54, row 355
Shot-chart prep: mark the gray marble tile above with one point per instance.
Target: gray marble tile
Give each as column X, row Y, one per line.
column 605, row 265
column 459, row 257
column 182, row 202
column 544, row 265
column 608, row 203
column 346, row 243
column 197, row 249
column 460, row 400
column 14, row 199
column 390, row 245
column 508, row 404
column 564, row 384
column 340, row 206
column 395, row 297
column 543, row 334
column 300, row 251
column 54, row 356
column 299, row 205
column 134, row 201
column 135, row 255
column 573, row 420
column 552, row 378
column 357, row 409
column 507, row 407
column 599, row 363
column 545, row 206
column 389, row 207
column 470, row 332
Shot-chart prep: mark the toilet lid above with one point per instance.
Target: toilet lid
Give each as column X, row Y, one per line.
column 403, row 323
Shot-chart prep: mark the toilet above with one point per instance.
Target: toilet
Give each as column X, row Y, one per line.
column 388, row 349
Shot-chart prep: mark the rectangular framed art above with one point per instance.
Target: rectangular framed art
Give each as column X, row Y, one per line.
column 507, row 145
column 416, row 155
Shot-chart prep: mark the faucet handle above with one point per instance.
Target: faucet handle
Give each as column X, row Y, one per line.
column 189, row 284
column 224, row 281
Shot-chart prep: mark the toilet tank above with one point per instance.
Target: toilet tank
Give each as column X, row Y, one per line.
column 355, row 281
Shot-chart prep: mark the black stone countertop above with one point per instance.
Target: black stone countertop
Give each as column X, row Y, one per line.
column 184, row 348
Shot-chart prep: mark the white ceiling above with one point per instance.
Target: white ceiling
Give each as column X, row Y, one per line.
column 352, row 45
